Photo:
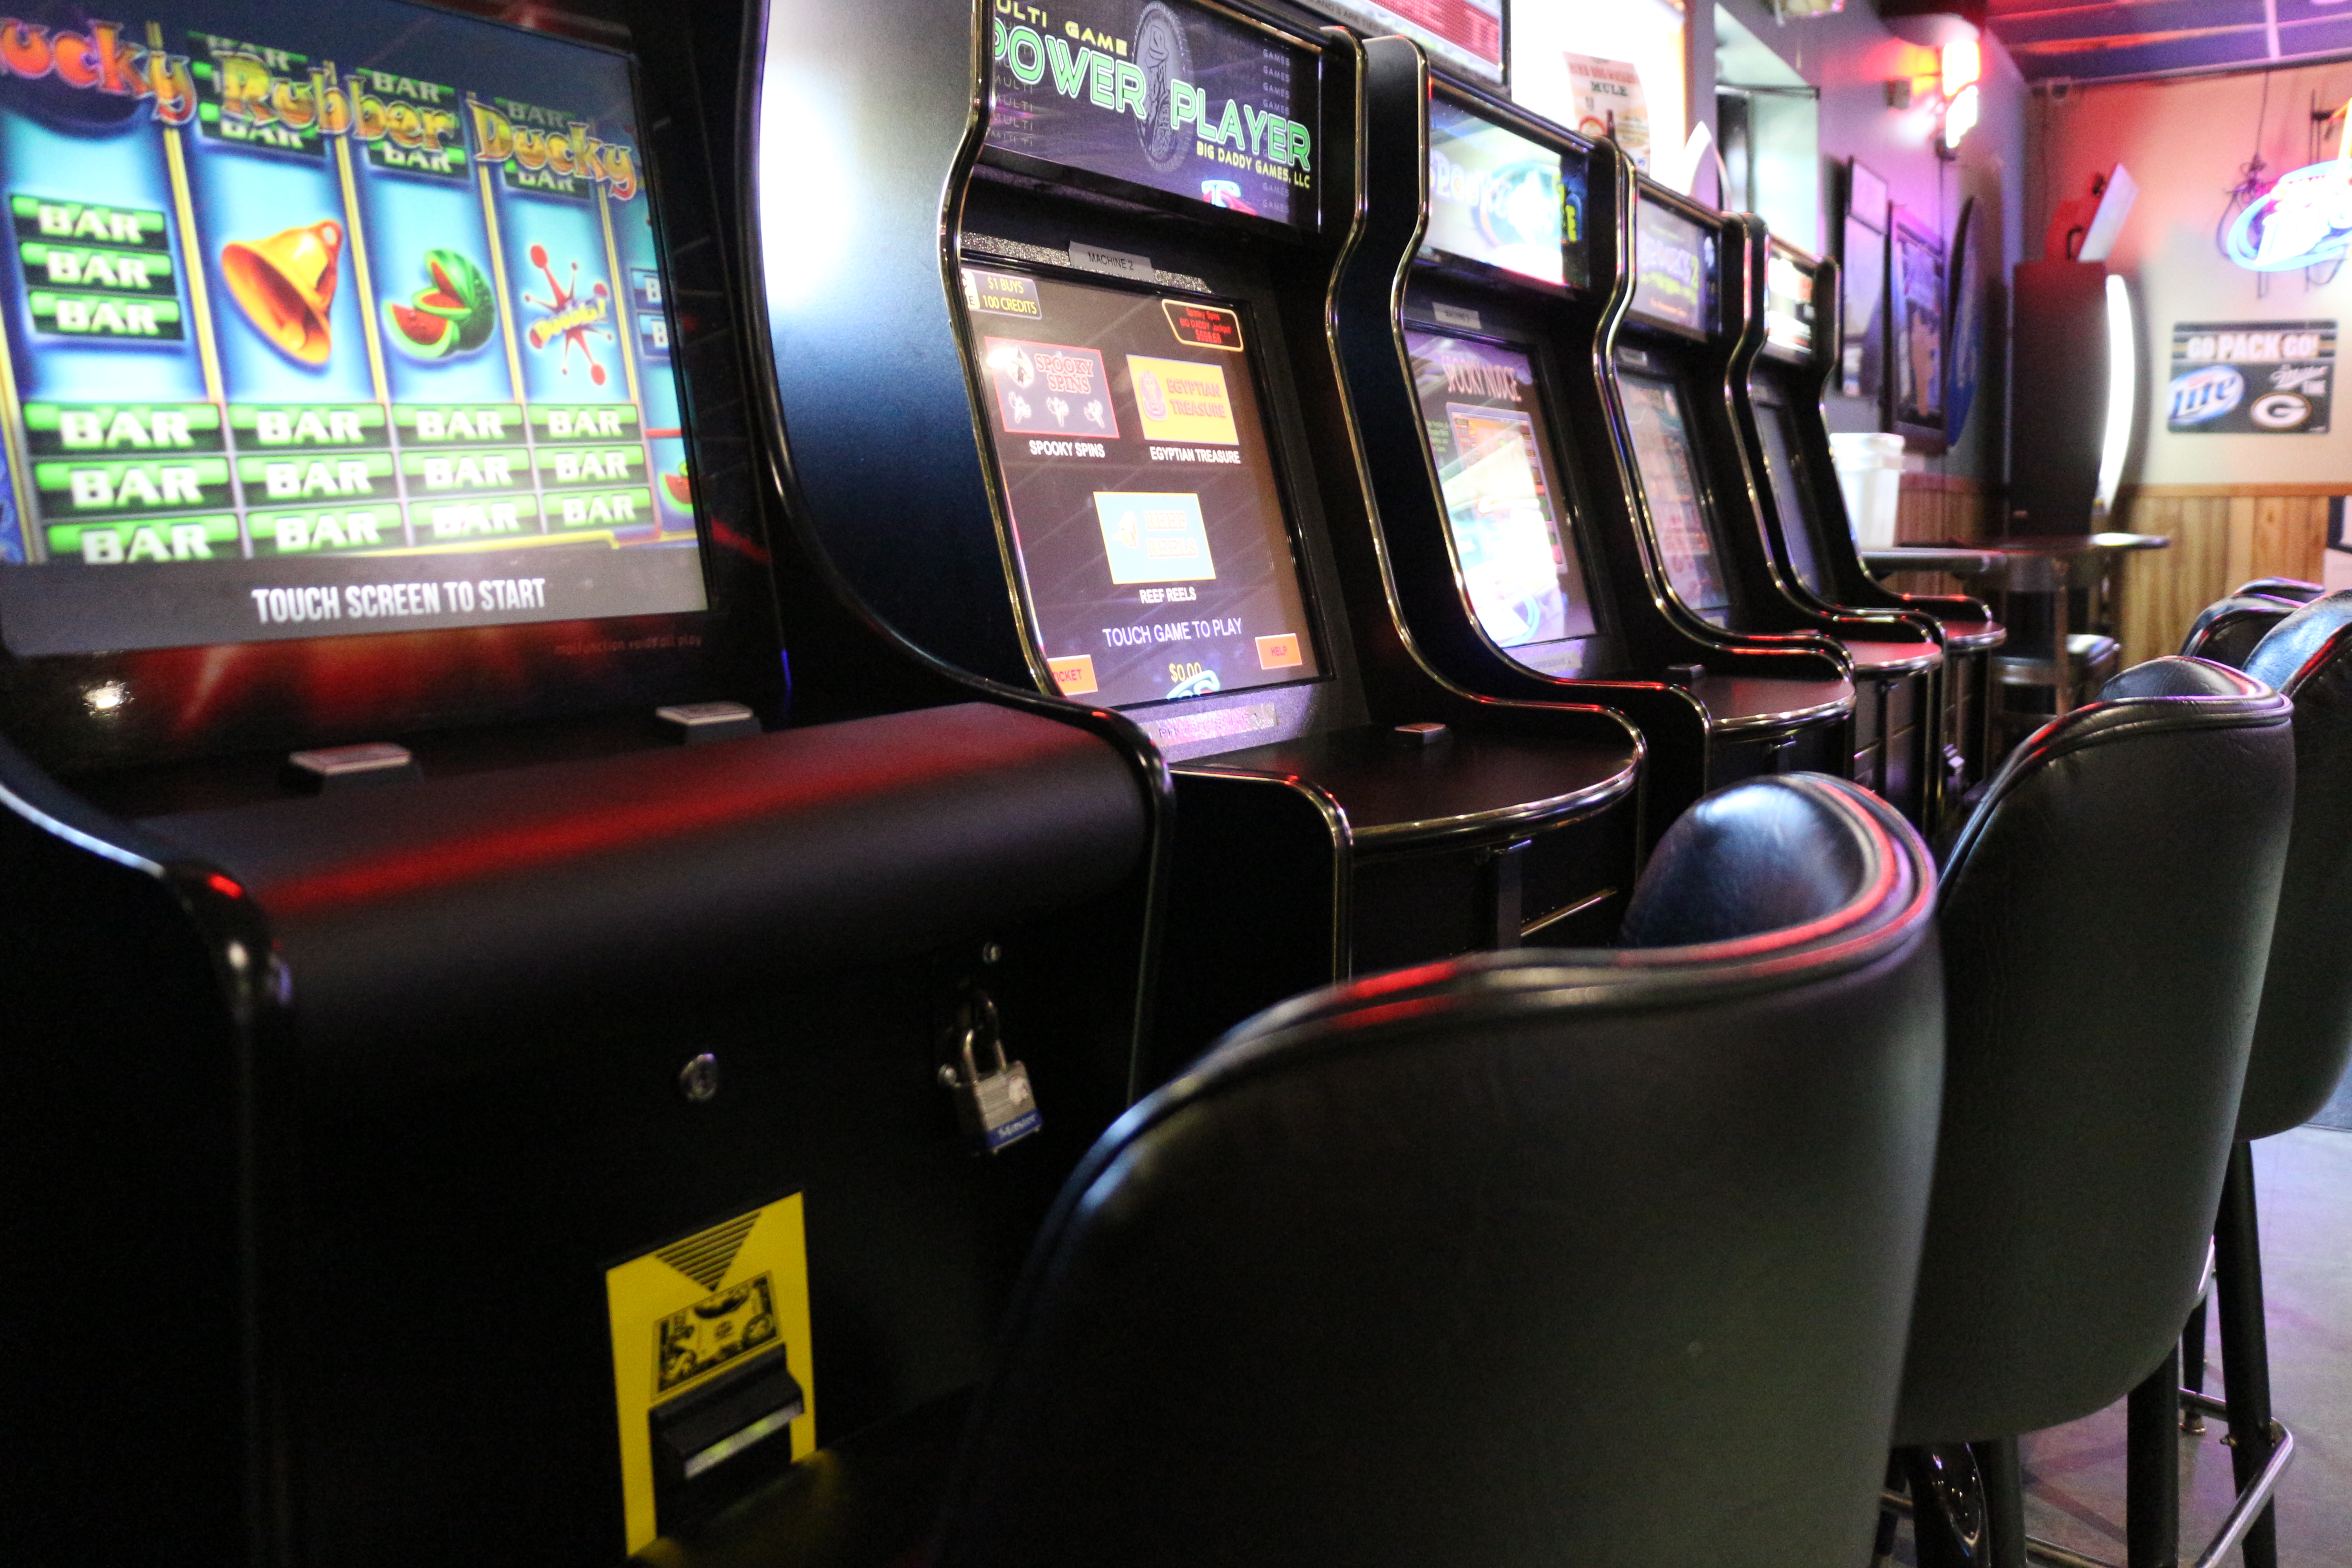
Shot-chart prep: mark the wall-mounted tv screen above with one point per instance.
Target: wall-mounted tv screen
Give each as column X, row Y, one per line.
column 1797, row 520
column 1670, row 482
column 1497, row 197
column 326, row 319
column 1673, row 268
column 1485, row 416
column 1162, row 93
column 1788, row 303
column 1141, row 488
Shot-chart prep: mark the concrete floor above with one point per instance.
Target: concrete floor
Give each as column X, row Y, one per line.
column 2075, row 1474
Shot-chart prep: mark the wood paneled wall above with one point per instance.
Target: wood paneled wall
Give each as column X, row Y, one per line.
column 1938, row 509
column 2221, row 536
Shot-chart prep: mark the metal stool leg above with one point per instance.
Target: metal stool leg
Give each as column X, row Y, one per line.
column 2004, row 1495
column 2152, row 1472
column 1947, row 1505
column 2192, row 1366
column 2245, row 1343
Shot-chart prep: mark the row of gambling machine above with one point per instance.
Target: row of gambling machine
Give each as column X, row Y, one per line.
column 579, row 886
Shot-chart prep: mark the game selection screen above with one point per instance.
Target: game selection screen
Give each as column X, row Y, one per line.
column 1480, row 406
column 1662, row 450
column 1140, row 487
column 327, row 319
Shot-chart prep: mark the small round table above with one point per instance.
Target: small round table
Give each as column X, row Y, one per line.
column 2048, row 566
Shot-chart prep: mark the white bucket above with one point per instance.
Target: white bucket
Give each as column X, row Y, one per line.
column 1870, row 472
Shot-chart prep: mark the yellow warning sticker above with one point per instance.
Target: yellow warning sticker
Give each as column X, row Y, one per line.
column 727, row 1307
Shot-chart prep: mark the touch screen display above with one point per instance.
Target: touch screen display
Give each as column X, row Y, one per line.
column 1497, row 197
column 1160, row 93
column 324, row 319
column 1480, row 405
column 1772, row 424
column 1673, row 268
column 1662, row 447
column 1141, row 488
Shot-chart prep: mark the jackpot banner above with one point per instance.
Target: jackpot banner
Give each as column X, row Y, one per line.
column 1466, row 34
column 1183, row 99
column 318, row 313
column 2250, row 378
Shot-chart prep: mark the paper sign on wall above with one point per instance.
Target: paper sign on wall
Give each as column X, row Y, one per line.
column 2250, row 378
column 1608, row 100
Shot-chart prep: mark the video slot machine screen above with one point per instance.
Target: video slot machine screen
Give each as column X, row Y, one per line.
column 1797, row 522
column 329, row 319
column 1484, row 416
column 1140, row 486
column 1673, row 268
column 1662, row 448
column 1498, row 197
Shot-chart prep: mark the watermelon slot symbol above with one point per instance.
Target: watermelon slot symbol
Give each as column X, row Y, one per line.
column 455, row 315
column 572, row 317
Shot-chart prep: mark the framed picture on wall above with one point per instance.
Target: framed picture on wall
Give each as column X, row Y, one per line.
column 1916, row 386
column 1862, row 260
column 1964, row 319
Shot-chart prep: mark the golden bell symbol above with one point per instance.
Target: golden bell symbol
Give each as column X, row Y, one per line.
column 287, row 285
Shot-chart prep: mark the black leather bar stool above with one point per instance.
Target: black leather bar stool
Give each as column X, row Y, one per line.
column 2293, row 589
column 2106, row 916
column 1539, row 1257
column 2226, row 630
column 2303, row 1035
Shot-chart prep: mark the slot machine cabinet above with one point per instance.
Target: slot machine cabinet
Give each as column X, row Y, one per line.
column 1490, row 268
column 1063, row 409
column 1680, row 366
column 477, row 1071
column 1803, row 510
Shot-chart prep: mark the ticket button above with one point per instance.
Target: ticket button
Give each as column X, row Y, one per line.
column 1074, row 676
column 1279, row 652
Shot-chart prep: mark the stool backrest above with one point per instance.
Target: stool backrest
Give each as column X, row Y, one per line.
column 1542, row 1256
column 2105, row 913
column 2305, row 1034
column 2294, row 590
column 2226, row 630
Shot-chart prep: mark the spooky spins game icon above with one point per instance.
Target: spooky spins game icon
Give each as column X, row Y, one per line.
column 454, row 314
column 573, row 317
column 285, row 286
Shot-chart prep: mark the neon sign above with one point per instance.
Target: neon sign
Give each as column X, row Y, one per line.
column 2304, row 218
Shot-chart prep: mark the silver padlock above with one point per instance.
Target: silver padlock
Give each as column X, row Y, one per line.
column 995, row 1108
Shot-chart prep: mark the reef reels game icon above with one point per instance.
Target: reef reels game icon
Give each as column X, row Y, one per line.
column 296, row 288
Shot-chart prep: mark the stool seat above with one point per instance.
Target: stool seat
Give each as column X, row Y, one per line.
column 2094, row 659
